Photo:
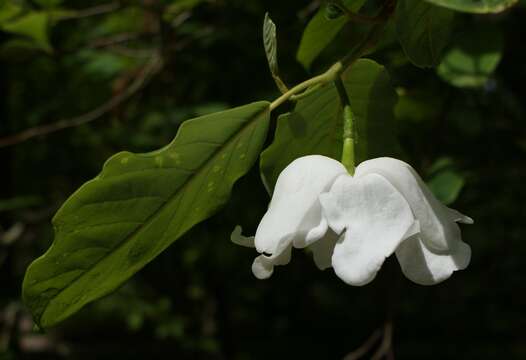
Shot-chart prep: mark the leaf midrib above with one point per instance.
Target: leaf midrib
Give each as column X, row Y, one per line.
column 150, row 218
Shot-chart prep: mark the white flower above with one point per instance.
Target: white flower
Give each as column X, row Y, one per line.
column 353, row 223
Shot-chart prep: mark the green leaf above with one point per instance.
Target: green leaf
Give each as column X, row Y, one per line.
column 446, row 186
column 270, row 43
column 20, row 202
column 445, row 182
column 320, row 31
column 33, row 25
column 475, row 6
column 473, row 57
column 137, row 206
column 423, row 31
column 271, row 50
column 315, row 124
column 8, row 10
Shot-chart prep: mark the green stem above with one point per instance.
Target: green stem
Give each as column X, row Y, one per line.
column 329, row 75
column 348, row 130
column 348, row 140
column 334, row 71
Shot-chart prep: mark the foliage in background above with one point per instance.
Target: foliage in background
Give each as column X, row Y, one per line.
column 96, row 78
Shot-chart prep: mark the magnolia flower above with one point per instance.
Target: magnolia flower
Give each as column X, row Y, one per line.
column 353, row 223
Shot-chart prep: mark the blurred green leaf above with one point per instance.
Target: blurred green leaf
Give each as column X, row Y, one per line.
column 423, row 31
column 19, row 202
column 130, row 19
column 33, row 25
column 417, row 106
column 445, row 182
column 137, row 206
column 320, row 31
column 475, row 6
column 57, row 14
column 473, row 57
column 8, row 10
column 104, row 65
column 315, row 124
column 446, row 185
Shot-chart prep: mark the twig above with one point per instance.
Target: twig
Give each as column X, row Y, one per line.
column 327, row 76
column 130, row 52
column 150, row 68
column 365, row 347
column 385, row 348
column 113, row 40
column 92, row 11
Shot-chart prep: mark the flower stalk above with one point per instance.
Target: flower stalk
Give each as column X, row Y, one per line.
column 328, row 76
column 348, row 140
column 347, row 158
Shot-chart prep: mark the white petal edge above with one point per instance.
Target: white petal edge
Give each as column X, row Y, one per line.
column 263, row 265
column 438, row 223
column 375, row 218
column 294, row 209
column 426, row 267
column 322, row 250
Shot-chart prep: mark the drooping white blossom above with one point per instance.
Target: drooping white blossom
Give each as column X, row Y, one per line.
column 353, row 223
column 294, row 216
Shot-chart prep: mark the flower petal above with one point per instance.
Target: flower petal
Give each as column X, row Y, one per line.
column 322, row 250
column 438, row 225
column 263, row 265
column 426, row 267
column 457, row 216
column 294, row 209
column 375, row 217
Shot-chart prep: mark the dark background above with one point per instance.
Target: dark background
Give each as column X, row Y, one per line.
column 199, row 300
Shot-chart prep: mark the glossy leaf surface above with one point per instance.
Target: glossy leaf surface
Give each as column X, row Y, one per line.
column 138, row 205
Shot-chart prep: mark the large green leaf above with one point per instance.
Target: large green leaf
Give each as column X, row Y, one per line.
column 423, row 31
column 320, row 31
column 315, row 124
column 473, row 57
column 33, row 25
column 475, row 6
column 138, row 205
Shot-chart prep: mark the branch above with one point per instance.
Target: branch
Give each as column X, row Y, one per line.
column 386, row 347
column 150, row 68
column 92, row 11
column 113, row 40
column 340, row 66
column 365, row 347
column 324, row 78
